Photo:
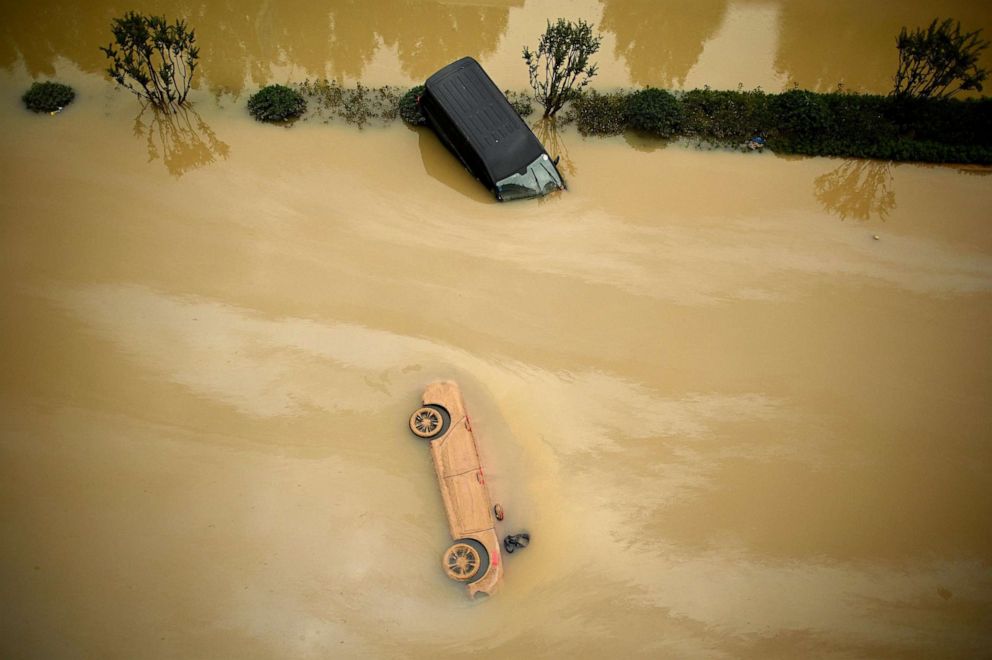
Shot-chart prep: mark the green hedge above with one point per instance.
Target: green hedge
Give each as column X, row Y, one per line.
column 803, row 122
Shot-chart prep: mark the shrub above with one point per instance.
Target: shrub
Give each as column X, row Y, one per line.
column 725, row 116
column 153, row 59
column 48, row 96
column 802, row 118
column 939, row 61
column 559, row 69
column 655, row 112
column 601, row 114
column 276, row 103
column 520, row 101
column 410, row 109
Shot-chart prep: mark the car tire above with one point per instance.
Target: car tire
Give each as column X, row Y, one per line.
column 465, row 560
column 429, row 422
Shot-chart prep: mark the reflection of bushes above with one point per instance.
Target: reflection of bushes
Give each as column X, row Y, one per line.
column 48, row 96
column 181, row 139
column 858, row 189
column 808, row 123
column 276, row 103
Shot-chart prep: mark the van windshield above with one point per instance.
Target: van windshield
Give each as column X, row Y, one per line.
column 540, row 178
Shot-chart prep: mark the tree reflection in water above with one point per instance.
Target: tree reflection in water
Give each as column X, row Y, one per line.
column 822, row 44
column 244, row 41
column 549, row 133
column 858, row 189
column 661, row 41
column 181, row 139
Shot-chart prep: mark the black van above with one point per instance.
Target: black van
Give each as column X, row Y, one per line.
column 472, row 117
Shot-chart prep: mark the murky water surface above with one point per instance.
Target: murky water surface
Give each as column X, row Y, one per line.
column 734, row 422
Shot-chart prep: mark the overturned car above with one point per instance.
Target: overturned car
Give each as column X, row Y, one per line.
column 473, row 119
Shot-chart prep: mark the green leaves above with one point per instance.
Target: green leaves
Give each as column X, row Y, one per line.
column 409, row 109
column 939, row 61
column 276, row 103
column 559, row 69
column 655, row 112
column 153, row 58
column 937, row 130
column 48, row 97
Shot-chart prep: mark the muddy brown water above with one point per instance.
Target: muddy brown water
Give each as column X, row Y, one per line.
column 735, row 423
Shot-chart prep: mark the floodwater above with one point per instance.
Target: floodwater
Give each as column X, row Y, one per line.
column 735, row 422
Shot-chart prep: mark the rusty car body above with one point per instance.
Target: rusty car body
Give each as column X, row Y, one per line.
column 474, row 557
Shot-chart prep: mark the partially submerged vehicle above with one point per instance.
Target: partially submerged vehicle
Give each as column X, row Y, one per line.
column 474, row 557
column 473, row 119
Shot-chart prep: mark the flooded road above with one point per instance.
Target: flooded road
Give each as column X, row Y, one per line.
column 734, row 422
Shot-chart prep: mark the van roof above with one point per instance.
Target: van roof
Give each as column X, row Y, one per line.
column 479, row 111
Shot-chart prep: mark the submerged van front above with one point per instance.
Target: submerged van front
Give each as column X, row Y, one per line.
column 474, row 120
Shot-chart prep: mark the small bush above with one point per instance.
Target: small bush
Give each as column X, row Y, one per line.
column 655, row 112
column 520, row 101
column 48, row 96
column 276, row 103
column 410, row 109
column 601, row 114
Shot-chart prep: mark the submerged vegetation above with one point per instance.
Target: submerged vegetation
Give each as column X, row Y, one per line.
column 358, row 105
column 153, row 59
column 802, row 122
column 48, row 96
column 917, row 121
column 522, row 102
column 275, row 103
column 600, row 114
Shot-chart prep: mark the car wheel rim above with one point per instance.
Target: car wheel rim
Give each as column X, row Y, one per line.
column 425, row 422
column 461, row 562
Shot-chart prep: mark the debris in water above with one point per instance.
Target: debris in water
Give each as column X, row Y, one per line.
column 756, row 143
column 514, row 541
